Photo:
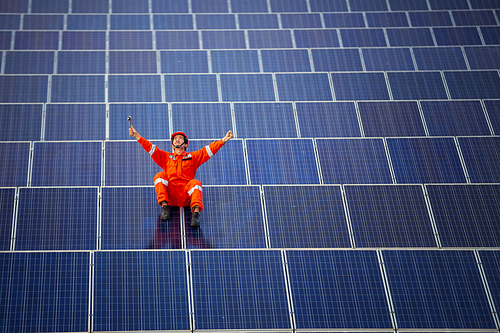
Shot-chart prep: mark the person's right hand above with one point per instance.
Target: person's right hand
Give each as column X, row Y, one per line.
column 132, row 132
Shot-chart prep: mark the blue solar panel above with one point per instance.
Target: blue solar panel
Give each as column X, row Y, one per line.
column 437, row 289
column 89, row 6
column 20, row 122
column 91, row 88
column 245, row 6
column 44, row 292
column 425, row 160
column 292, row 21
column 129, row 22
column 75, row 122
column 490, row 262
column 191, row 88
column 172, row 22
column 23, row 89
column 359, row 86
column 491, row 35
column 66, row 164
column 306, row 217
column 448, row 4
column 262, row 39
column 48, row 6
column 140, row 291
column 430, row 18
column 388, row 59
column 14, row 6
column 408, row 4
column 136, row 6
column 493, row 109
column 328, row 6
column 10, row 22
column 304, row 87
column 337, row 289
column 5, row 40
column 57, row 218
column 36, row 40
column 285, row 61
column 223, row 39
column 247, row 87
column 43, row 22
column 215, row 21
column 235, row 61
column 287, row 162
column 239, row 290
column 258, row 21
column 232, row 218
column 289, row 5
column 316, row 38
column 121, row 62
column 417, row 85
column 397, row 216
column 382, row 119
column 130, row 40
column 466, row 215
column 363, row 38
column 84, row 40
column 455, row 118
column 171, row 6
column 485, row 57
column 368, row 5
column 439, row 58
column 134, row 88
column 481, row 156
column 177, row 40
column 457, row 36
column 474, row 17
column 344, row 20
column 14, row 163
column 209, row 6
column 483, row 4
column 7, row 196
column 473, row 84
column 150, row 120
column 329, row 119
column 353, row 161
column 336, row 60
column 410, row 37
column 386, row 20
column 265, row 120
column 183, row 116
column 78, row 62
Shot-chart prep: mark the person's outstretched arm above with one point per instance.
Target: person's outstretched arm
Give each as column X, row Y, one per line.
column 157, row 154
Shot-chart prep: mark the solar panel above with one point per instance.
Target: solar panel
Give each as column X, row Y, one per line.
column 134, row 88
column 328, row 119
column 328, row 6
column 490, row 261
column 416, row 85
column 247, row 87
column 177, row 40
column 69, row 218
column 285, row 61
column 7, row 196
column 137, row 6
column 388, row 59
column 23, row 89
column 184, row 115
column 493, row 109
column 232, row 218
column 304, row 87
column 14, row 6
column 239, row 290
column 14, row 163
column 289, row 5
column 359, row 86
column 430, row 19
column 172, row 6
column 337, row 289
column 45, row 291
column 437, row 289
column 473, row 84
column 235, row 61
column 47, row 6
column 66, row 164
column 129, row 22
column 385, row 20
column 491, row 35
column 223, row 39
column 89, row 6
column 336, row 60
column 448, row 4
column 10, row 22
column 474, row 17
column 244, row 6
column 20, row 122
column 483, row 4
column 121, row 62
column 258, row 21
column 344, row 20
column 215, row 21
column 210, row 6
column 455, row 118
column 172, row 22
column 368, row 5
column 36, row 40
column 5, row 40
column 306, row 217
column 466, row 215
column 363, row 38
column 60, row 122
column 382, row 119
column 408, row 5
column 481, row 156
column 265, row 120
column 293, row 21
column 150, row 120
column 439, row 58
column 265, row 39
column 90, row 88
column 457, row 36
column 389, row 216
column 484, row 57
column 409, row 37
column 425, row 160
column 130, row 40
column 293, row 163
column 191, row 88
column 353, row 161
column 81, row 62
column 184, row 62
column 84, row 40
column 316, row 38
column 43, row 22
column 140, row 290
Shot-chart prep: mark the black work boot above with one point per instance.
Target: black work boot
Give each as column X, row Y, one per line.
column 195, row 219
column 165, row 212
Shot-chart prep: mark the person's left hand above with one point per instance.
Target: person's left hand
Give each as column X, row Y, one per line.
column 229, row 136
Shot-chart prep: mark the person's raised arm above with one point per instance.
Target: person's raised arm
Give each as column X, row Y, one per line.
column 132, row 132
column 229, row 136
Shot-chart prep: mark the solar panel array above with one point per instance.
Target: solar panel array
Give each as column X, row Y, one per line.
column 361, row 191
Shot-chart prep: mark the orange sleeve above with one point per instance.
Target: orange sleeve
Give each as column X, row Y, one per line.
column 159, row 156
column 205, row 153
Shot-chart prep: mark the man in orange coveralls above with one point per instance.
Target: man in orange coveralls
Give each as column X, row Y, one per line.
column 176, row 185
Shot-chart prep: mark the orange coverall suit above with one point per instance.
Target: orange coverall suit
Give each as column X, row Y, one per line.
column 176, row 184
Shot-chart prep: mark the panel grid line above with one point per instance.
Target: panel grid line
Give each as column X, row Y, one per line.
column 431, row 216
column 486, row 115
column 484, row 279
column 462, row 161
column 347, row 216
column 387, row 290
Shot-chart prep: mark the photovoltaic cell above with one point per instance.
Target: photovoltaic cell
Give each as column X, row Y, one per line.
column 336, row 60
column 56, row 218
column 177, row 40
column 134, row 88
column 183, row 115
column 172, row 6
column 353, row 161
column 289, row 6
column 344, row 20
column 396, row 19
column 454, row 118
column 7, row 196
column 304, row 225
column 23, row 89
column 36, row 40
column 45, row 291
column 258, row 21
column 247, row 87
column 474, row 17
column 14, row 163
column 343, row 289
column 49, row 6
column 10, row 22
column 457, row 36
column 430, row 19
column 244, row 6
column 81, row 62
column 359, row 86
column 316, row 38
column 60, row 122
column 210, row 6
column 265, row 39
column 140, row 62
column 448, row 4
column 5, row 40
column 328, row 6
column 466, row 215
column 483, row 4
column 490, row 261
column 239, row 290
column 484, row 57
column 493, row 109
column 150, row 120
column 363, row 38
column 130, row 40
column 337, row 119
column 129, row 22
column 409, row 37
column 184, row 61
column 66, row 164
column 287, row 162
column 439, row 58
column 235, row 61
column 89, row 6
column 191, row 88
column 294, row 21
column 215, row 21
column 481, row 156
column 172, row 22
column 408, row 5
column 389, row 216
column 14, row 6
column 368, row 5
column 265, row 120
column 43, row 22
column 425, row 160
column 416, row 85
column 388, row 59
column 84, row 40
column 91, row 88
column 285, row 61
column 426, row 287
column 137, row 6
column 491, row 35
column 29, row 63
column 473, row 84
column 140, row 290
column 22, row 122
column 304, row 87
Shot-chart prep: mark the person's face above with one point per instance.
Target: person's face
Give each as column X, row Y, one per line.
column 178, row 140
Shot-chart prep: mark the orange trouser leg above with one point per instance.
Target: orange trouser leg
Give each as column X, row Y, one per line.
column 161, row 186
column 195, row 191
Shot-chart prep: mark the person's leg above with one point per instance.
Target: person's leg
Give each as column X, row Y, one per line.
column 195, row 191
column 161, row 188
